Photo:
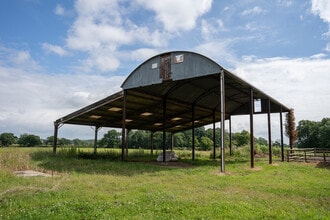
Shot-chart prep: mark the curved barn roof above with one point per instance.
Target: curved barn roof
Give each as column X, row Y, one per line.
column 186, row 83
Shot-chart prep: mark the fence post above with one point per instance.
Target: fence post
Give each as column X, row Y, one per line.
column 287, row 156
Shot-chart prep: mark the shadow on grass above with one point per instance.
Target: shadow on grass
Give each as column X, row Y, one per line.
column 323, row 165
column 109, row 162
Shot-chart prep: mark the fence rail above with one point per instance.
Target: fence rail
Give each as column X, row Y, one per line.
column 308, row 154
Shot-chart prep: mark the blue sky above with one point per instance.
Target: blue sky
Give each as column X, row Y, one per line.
column 58, row 56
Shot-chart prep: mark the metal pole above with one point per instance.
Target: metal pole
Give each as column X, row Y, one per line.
column 95, row 138
column 172, row 141
column 230, row 138
column 126, row 142
column 251, row 128
column 55, row 137
column 152, row 143
column 193, row 132
column 214, row 145
column 123, row 132
column 164, row 129
column 222, row 101
column 281, row 131
column 269, row 135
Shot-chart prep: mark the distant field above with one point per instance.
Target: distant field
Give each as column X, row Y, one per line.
column 103, row 187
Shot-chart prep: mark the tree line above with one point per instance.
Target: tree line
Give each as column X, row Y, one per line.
column 314, row 134
column 138, row 139
column 309, row 134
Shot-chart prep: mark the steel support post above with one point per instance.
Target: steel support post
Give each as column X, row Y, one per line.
column 222, row 102
column 126, row 141
column 193, row 132
column 214, row 144
column 164, row 129
column 123, row 132
column 172, row 141
column 230, row 138
column 95, row 139
column 152, row 143
column 281, row 131
column 56, row 125
column 251, row 128
column 269, row 134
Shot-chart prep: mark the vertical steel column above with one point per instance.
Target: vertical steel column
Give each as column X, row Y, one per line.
column 251, row 128
column 126, row 141
column 269, row 135
column 172, row 141
column 281, row 131
column 123, row 131
column 95, row 138
column 193, row 132
column 55, row 137
column 230, row 138
column 223, row 102
column 164, row 129
column 152, row 143
column 214, row 145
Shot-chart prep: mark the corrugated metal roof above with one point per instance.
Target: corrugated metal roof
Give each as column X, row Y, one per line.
column 186, row 81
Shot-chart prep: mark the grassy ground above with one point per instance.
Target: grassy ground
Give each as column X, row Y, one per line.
column 87, row 188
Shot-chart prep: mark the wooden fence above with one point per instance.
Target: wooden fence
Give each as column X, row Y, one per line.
column 308, row 154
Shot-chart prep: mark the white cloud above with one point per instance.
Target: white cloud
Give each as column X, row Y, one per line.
column 318, row 56
column 298, row 83
column 59, row 10
column 285, row 3
column 219, row 50
column 50, row 48
column 322, row 9
column 17, row 58
column 254, row 11
column 211, row 28
column 100, row 30
column 177, row 16
column 103, row 27
column 31, row 100
column 141, row 54
column 327, row 47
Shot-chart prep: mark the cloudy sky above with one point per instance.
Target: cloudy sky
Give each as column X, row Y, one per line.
column 59, row 56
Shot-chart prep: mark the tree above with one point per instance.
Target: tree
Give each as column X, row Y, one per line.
column 64, row 142
column 206, row 143
column 324, row 133
column 290, row 128
column 79, row 143
column 7, row 139
column 241, row 138
column 49, row 140
column 277, row 143
column 180, row 140
column 261, row 141
column 139, row 139
column 308, row 134
column 314, row 134
column 29, row 140
column 110, row 139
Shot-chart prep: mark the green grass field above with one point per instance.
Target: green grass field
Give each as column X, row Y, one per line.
column 105, row 188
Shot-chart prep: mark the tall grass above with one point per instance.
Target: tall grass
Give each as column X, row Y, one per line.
column 103, row 187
